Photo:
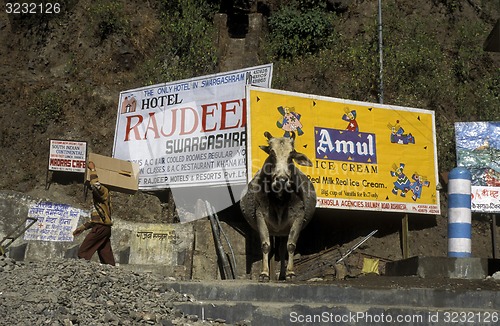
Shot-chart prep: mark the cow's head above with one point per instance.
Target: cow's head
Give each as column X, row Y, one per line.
column 278, row 171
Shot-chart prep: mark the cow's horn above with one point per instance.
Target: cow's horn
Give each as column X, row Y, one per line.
column 293, row 135
column 268, row 135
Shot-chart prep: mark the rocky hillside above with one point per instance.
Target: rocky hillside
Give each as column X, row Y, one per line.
column 61, row 74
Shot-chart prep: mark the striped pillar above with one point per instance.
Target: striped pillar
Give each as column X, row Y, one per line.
column 459, row 213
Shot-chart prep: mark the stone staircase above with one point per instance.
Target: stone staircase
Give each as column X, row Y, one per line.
column 238, row 52
column 253, row 303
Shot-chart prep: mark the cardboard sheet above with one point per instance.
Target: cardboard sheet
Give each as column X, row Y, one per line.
column 117, row 175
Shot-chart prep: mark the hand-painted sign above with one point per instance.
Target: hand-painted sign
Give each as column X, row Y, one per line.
column 189, row 132
column 366, row 156
column 478, row 150
column 160, row 244
column 67, row 155
column 56, row 222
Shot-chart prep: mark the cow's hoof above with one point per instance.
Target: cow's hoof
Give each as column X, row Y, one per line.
column 264, row 278
column 290, row 277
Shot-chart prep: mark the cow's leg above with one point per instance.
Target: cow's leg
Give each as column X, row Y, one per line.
column 282, row 255
column 265, row 246
column 291, row 245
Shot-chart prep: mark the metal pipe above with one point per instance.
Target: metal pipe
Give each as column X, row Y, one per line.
column 226, row 267
column 356, row 246
column 233, row 269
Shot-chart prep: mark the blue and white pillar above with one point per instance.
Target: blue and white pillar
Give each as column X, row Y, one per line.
column 459, row 213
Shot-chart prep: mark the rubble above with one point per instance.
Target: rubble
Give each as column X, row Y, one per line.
column 79, row 292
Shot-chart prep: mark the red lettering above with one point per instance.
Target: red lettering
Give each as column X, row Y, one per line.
column 152, row 126
column 60, row 162
column 174, row 124
column 184, row 120
column 135, row 127
column 78, row 164
column 225, row 110
column 190, row 119
column 205, row 113
column 244, row 113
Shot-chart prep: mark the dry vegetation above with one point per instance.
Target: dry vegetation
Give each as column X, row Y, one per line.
column 60, row 76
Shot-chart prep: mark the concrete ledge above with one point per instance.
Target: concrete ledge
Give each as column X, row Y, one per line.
column 336, row 294
column 447, row 267
column 316, row 303
column 286, row 314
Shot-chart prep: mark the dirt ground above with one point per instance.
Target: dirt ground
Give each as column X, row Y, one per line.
column 60, row 62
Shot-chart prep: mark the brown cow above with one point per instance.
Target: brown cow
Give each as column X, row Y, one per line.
column 280, row 200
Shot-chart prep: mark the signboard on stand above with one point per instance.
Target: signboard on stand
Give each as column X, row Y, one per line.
column 66, row 156
column 478, row 150
column 365, row 156
column 190, row 132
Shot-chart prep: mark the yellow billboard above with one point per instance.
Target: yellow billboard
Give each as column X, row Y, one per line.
column 366, row 156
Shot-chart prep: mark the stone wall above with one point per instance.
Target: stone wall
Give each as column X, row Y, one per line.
column 183, row 251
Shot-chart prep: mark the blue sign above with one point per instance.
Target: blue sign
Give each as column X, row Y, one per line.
column 343, row 145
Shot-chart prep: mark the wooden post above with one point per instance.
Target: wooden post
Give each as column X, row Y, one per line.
column 47, row 184
column 404, row 237
column 494, row 234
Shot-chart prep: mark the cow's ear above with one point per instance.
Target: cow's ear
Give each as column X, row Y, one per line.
column 265, row 148
column 301, row 159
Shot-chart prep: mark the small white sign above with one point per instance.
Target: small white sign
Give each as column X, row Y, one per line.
column 67, row 155
column 55, row 222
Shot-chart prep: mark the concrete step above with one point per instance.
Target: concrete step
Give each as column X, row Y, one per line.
column 287, row 304
column 277, row 314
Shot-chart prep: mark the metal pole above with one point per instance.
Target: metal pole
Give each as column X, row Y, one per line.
column 381, row 62
column 356, row 246
column 459, row 213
